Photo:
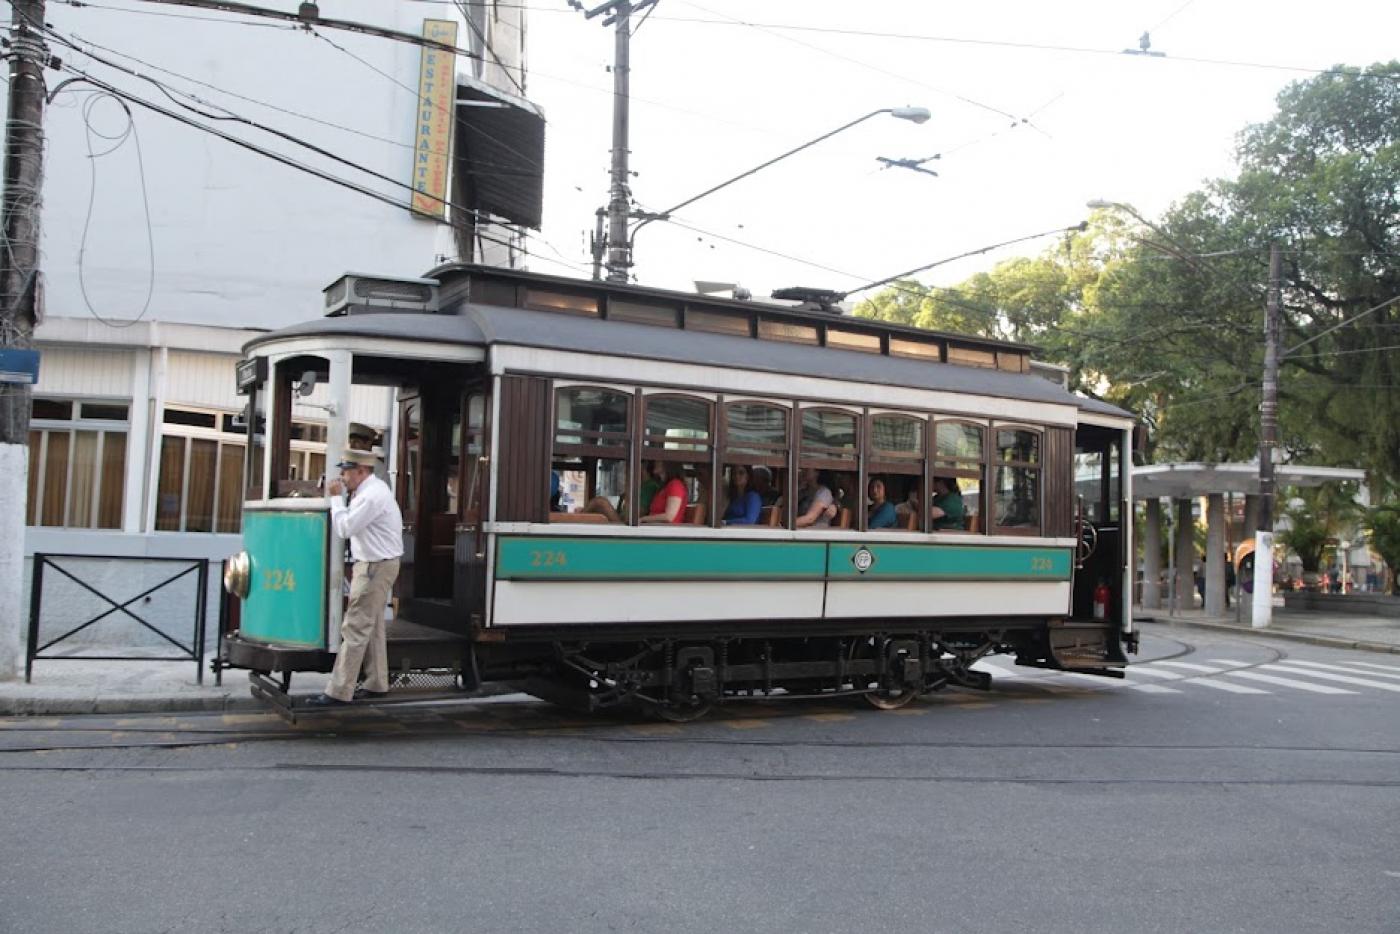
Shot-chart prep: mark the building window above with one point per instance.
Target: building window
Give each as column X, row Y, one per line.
column 77, row 464
column 200, row 485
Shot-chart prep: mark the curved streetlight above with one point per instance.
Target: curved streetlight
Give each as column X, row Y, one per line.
column 617, row 271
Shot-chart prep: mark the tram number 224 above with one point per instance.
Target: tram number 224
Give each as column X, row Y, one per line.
column 278, row 579
column 548, row 559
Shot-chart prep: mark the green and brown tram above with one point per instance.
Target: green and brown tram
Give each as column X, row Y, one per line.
column 516, row 401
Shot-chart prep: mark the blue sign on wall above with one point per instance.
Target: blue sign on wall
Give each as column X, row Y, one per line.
column 19, row 366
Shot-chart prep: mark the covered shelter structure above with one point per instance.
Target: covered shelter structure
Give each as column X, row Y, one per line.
column 1181, row 484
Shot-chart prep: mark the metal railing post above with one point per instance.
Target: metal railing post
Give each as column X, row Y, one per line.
column 36, row 590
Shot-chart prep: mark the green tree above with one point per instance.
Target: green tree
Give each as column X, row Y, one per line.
column 1317, row 517
column 1383, row 530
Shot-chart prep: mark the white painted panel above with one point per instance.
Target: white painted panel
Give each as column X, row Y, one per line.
column 71, row 371
column 847, row 600
column 538, row 602
column 202, row 379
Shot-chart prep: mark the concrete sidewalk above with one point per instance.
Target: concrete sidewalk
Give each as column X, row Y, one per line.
column 1337, row 630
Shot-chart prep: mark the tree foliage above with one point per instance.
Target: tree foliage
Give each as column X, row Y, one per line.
column 1166, row 318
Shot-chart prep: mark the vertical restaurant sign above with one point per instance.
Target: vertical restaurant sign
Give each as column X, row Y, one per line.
column 437, row 106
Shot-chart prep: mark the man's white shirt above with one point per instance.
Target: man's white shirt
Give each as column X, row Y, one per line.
column 372, row 522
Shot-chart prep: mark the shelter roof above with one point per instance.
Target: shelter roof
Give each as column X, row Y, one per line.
column 1187, row 480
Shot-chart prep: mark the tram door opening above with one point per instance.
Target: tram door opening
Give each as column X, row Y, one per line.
column 441, row 488
column 1098, row 486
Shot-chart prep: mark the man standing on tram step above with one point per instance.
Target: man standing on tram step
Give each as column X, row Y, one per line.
column 373, row 526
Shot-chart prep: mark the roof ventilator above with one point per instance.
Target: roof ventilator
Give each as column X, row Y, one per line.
column 356, row 294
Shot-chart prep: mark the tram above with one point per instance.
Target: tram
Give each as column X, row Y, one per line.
column 529, row 419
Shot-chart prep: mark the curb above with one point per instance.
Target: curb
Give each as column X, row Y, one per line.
column 233, row 700
column 1332, row 642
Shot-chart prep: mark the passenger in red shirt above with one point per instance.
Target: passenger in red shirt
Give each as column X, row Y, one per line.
column 668, row 505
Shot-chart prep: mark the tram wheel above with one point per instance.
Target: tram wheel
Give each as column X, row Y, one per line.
column 882, row 699
column 683, row 712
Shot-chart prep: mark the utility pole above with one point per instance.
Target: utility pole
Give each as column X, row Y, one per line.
column 1263, row 604
column 19, row 289
column 619, row 192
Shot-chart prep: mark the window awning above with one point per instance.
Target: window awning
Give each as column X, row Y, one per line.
column 500, row 153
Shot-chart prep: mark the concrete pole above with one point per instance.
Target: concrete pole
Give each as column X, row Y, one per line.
column 1215, row 555
column 1152, row 555
column 620, row 191
column 19, row 286
column 1185, row 555
column 1268, row 443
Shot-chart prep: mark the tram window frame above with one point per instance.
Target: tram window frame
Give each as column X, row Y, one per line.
column 776, row 458
column 468, row 445
column 961, row 467
column 881, row 463
column 997, row 464
column 818, row 457
column 698, row 454
column 592, row 456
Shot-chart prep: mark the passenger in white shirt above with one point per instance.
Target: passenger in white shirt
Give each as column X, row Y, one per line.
column 373, row 526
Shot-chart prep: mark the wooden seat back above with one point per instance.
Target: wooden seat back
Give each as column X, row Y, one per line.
column 583, row 518
column 770, row 516
column 695, row 514
column 843, row 518
column 911, row 521
column 973, row 523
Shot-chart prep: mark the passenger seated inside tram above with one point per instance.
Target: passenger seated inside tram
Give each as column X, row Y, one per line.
column 556, row 492
column 769, row 493
column 745, row 502
column 667, row 503
column 816, row 506
column 882, row 513
column 947, row 511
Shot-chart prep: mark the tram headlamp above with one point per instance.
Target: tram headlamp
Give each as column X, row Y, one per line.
column 237, row 575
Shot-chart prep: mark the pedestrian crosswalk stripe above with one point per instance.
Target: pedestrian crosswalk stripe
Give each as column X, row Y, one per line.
column 1204, row 682
column 1266, row 679
column 1107, row 683
column 1381, row 667
column 1340, row 679
column 1344, row 670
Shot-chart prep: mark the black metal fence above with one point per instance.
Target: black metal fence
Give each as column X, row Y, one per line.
column 193, row 652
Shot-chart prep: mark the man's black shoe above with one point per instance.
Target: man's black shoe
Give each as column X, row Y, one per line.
column 324, row 700
column 367, row 694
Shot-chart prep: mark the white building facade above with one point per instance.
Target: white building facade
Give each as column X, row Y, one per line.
column 165, row 247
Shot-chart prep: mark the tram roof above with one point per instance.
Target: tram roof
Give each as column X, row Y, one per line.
column 487, row 325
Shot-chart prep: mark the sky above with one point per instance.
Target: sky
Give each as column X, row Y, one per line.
column 1025, row 133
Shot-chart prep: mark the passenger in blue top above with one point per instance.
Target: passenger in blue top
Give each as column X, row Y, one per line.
column 745, row 505
column 882, row 514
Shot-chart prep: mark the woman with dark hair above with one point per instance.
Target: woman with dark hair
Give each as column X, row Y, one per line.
column 816, row 507
column 668, row 505
column 745, row 505
column 948, row 511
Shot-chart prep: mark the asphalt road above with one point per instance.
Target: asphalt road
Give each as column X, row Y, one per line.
column 1260, row 794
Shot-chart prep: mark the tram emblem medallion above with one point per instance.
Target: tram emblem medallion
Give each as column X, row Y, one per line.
column 863, row 559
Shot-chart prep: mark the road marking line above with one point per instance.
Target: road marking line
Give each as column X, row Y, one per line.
column 1218, row 685
column 747, row 724
column 1255, row 676
column 1381, row 667
column 1340, row 679
column 829, row 717
column 1342, row 669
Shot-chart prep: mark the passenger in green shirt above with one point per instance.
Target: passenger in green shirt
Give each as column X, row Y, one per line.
column 650, row 487
column 947, row 510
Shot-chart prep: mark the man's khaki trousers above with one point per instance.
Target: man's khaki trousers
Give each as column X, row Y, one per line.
column 362, row 631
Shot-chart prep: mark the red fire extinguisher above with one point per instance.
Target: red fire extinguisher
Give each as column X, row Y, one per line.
column 1101, row 601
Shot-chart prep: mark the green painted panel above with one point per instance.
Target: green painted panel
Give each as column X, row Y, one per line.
column 950, row 562
column 551, row 558
column 286, row 601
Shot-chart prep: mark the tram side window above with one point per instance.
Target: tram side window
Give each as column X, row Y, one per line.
column 828, row 492
column 463, row 479
column 957, row 477
column 895, row 467
column 676, row 444
column 1016, row 479
column 592, row 447
column 755, row 457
